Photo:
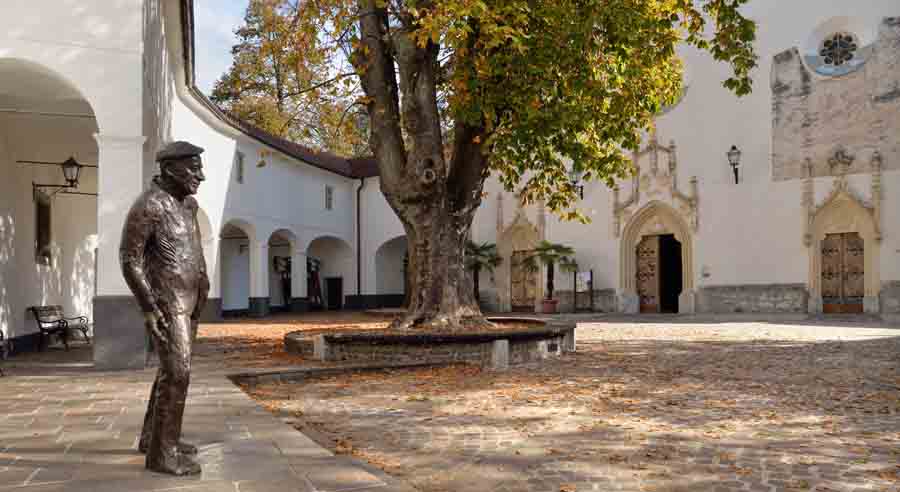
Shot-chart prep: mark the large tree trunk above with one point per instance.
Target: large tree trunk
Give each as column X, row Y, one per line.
column 440, row 292
column 434, row 197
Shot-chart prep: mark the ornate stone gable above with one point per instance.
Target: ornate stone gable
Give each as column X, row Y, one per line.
column 656, row 180
column 841, row 192
column 856, row 111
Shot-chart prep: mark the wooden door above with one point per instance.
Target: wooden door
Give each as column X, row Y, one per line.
column 843, row 273
column 648, row 279
column 523, row 286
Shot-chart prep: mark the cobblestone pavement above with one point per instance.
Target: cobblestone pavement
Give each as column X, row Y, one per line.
column 652, row 406
column 66, row 427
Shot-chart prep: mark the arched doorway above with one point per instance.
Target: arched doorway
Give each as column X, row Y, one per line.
column 844, row 253
column 390, row 272
column 48, row 234
column 656, row 258
column 519, row 288
column 234, row 254
column 329, row 272
column 281, row 269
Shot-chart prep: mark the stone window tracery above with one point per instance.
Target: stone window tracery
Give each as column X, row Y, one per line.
column 838, row 49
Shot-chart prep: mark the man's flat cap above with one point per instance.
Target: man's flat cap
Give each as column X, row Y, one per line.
column 177, row 150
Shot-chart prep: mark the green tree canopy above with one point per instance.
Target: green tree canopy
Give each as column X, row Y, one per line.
column 456, row 90
column 281, row 81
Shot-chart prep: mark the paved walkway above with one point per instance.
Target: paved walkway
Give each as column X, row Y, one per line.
column 648, row 404
column 65, row 427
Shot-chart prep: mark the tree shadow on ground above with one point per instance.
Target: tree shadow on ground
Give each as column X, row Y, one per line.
column 639, row 414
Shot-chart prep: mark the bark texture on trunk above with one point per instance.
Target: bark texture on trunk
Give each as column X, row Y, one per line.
column 434, row 197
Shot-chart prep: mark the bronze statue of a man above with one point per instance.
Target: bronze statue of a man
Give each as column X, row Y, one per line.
column 162, row 261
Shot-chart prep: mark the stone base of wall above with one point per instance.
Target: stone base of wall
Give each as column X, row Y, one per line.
column 299, row 304
column 755, row 298
column 212, row 311
column 120, row 339
column 374, row 301
column 890, row 298
column 259, row 307
column 604, row 301
column 489, row 302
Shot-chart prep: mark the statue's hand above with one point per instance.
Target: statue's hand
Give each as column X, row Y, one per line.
column 156, row 324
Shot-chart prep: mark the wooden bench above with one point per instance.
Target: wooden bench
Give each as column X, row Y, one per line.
column 51, row 320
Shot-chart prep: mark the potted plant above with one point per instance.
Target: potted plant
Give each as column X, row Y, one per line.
column 481, row 257
column 550, row 255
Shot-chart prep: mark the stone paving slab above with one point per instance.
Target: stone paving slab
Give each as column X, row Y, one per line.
column 65, row 429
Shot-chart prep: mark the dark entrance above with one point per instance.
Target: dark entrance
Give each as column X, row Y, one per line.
column 334, row 288
column 670, row 273
column 659, row 274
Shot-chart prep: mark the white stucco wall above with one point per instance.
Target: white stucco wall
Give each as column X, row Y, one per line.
column 379, row 225
column 69, row 279
column 235, row 274
column 389, row 266
column 749, row 233
column 281, row 194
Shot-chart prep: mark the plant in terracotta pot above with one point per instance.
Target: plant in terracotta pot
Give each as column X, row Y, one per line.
column 551, row 255
column 480, row 257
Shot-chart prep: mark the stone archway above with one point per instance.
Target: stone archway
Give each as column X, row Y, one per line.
column 654, row 219
column 842, row 214
column 520, row 236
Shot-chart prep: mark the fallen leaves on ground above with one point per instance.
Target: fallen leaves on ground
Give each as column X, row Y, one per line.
column 707, row 404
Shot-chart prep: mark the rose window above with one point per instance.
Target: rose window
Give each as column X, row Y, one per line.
column 838, row 49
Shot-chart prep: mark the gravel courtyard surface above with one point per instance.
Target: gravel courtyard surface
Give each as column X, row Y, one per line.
column 640, row 407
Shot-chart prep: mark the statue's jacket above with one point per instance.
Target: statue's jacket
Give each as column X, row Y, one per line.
column 161, row 253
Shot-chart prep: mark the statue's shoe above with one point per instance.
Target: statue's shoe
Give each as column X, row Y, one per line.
column 175, row 463
column 183, row 447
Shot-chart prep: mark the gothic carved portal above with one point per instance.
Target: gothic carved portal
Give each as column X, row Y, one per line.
column 523, row 287
column 517, row 288
column 843, row 235
column 656, row 258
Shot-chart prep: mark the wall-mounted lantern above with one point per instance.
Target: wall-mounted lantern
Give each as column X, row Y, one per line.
column 734, row 159
column 71, row 170
column 575, row 177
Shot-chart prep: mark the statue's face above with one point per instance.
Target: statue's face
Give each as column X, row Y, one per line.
column 187, row 173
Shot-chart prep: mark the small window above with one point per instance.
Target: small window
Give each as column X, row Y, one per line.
column 329, row 197
column 42, row 237
column 239, row 167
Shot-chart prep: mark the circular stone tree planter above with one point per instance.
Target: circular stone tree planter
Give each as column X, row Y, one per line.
column 527, row 340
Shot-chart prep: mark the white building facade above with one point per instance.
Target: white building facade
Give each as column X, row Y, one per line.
column 286, row 228
column 812, row 223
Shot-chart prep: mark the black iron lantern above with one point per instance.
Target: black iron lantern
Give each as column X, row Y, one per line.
column 71, row 170
column 575, row 177
column 734, row 159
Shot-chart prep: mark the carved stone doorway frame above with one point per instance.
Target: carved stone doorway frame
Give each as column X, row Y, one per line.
column 843, row 213
column 521, row 235
column 654, row 219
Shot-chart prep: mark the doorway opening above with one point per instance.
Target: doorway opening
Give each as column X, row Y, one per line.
column 334, row 293
column 670, row 273
column 660, row 273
